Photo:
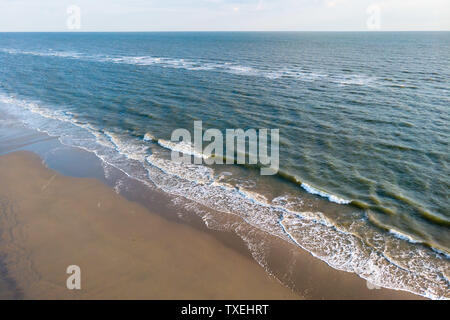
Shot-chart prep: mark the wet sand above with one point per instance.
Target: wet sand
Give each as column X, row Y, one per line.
column 49, row 221
column 125, row 251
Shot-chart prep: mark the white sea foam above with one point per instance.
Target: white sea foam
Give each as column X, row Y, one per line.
column 196, row 173
column 420, row 273
column 49, row 53
column 355, row 79
column 330, row 197
column 208, row 65
column 183, row 147
column 132, row 149
column 403, row 236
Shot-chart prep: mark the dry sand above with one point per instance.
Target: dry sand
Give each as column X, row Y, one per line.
column 49, row 221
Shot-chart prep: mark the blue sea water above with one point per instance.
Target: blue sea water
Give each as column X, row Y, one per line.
column 363, row 120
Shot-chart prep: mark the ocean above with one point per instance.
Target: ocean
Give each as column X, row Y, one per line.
column 363, row 119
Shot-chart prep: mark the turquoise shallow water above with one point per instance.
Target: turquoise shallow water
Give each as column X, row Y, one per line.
column 363, row 119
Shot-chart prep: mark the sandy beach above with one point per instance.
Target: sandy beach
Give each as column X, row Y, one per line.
column 50, row 221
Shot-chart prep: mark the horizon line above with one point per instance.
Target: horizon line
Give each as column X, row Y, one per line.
column 167, row 31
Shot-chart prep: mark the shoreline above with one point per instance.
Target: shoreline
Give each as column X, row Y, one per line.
column 306, row 275
column 123, row 250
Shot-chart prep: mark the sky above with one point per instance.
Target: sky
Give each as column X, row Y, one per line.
column 224, row 15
